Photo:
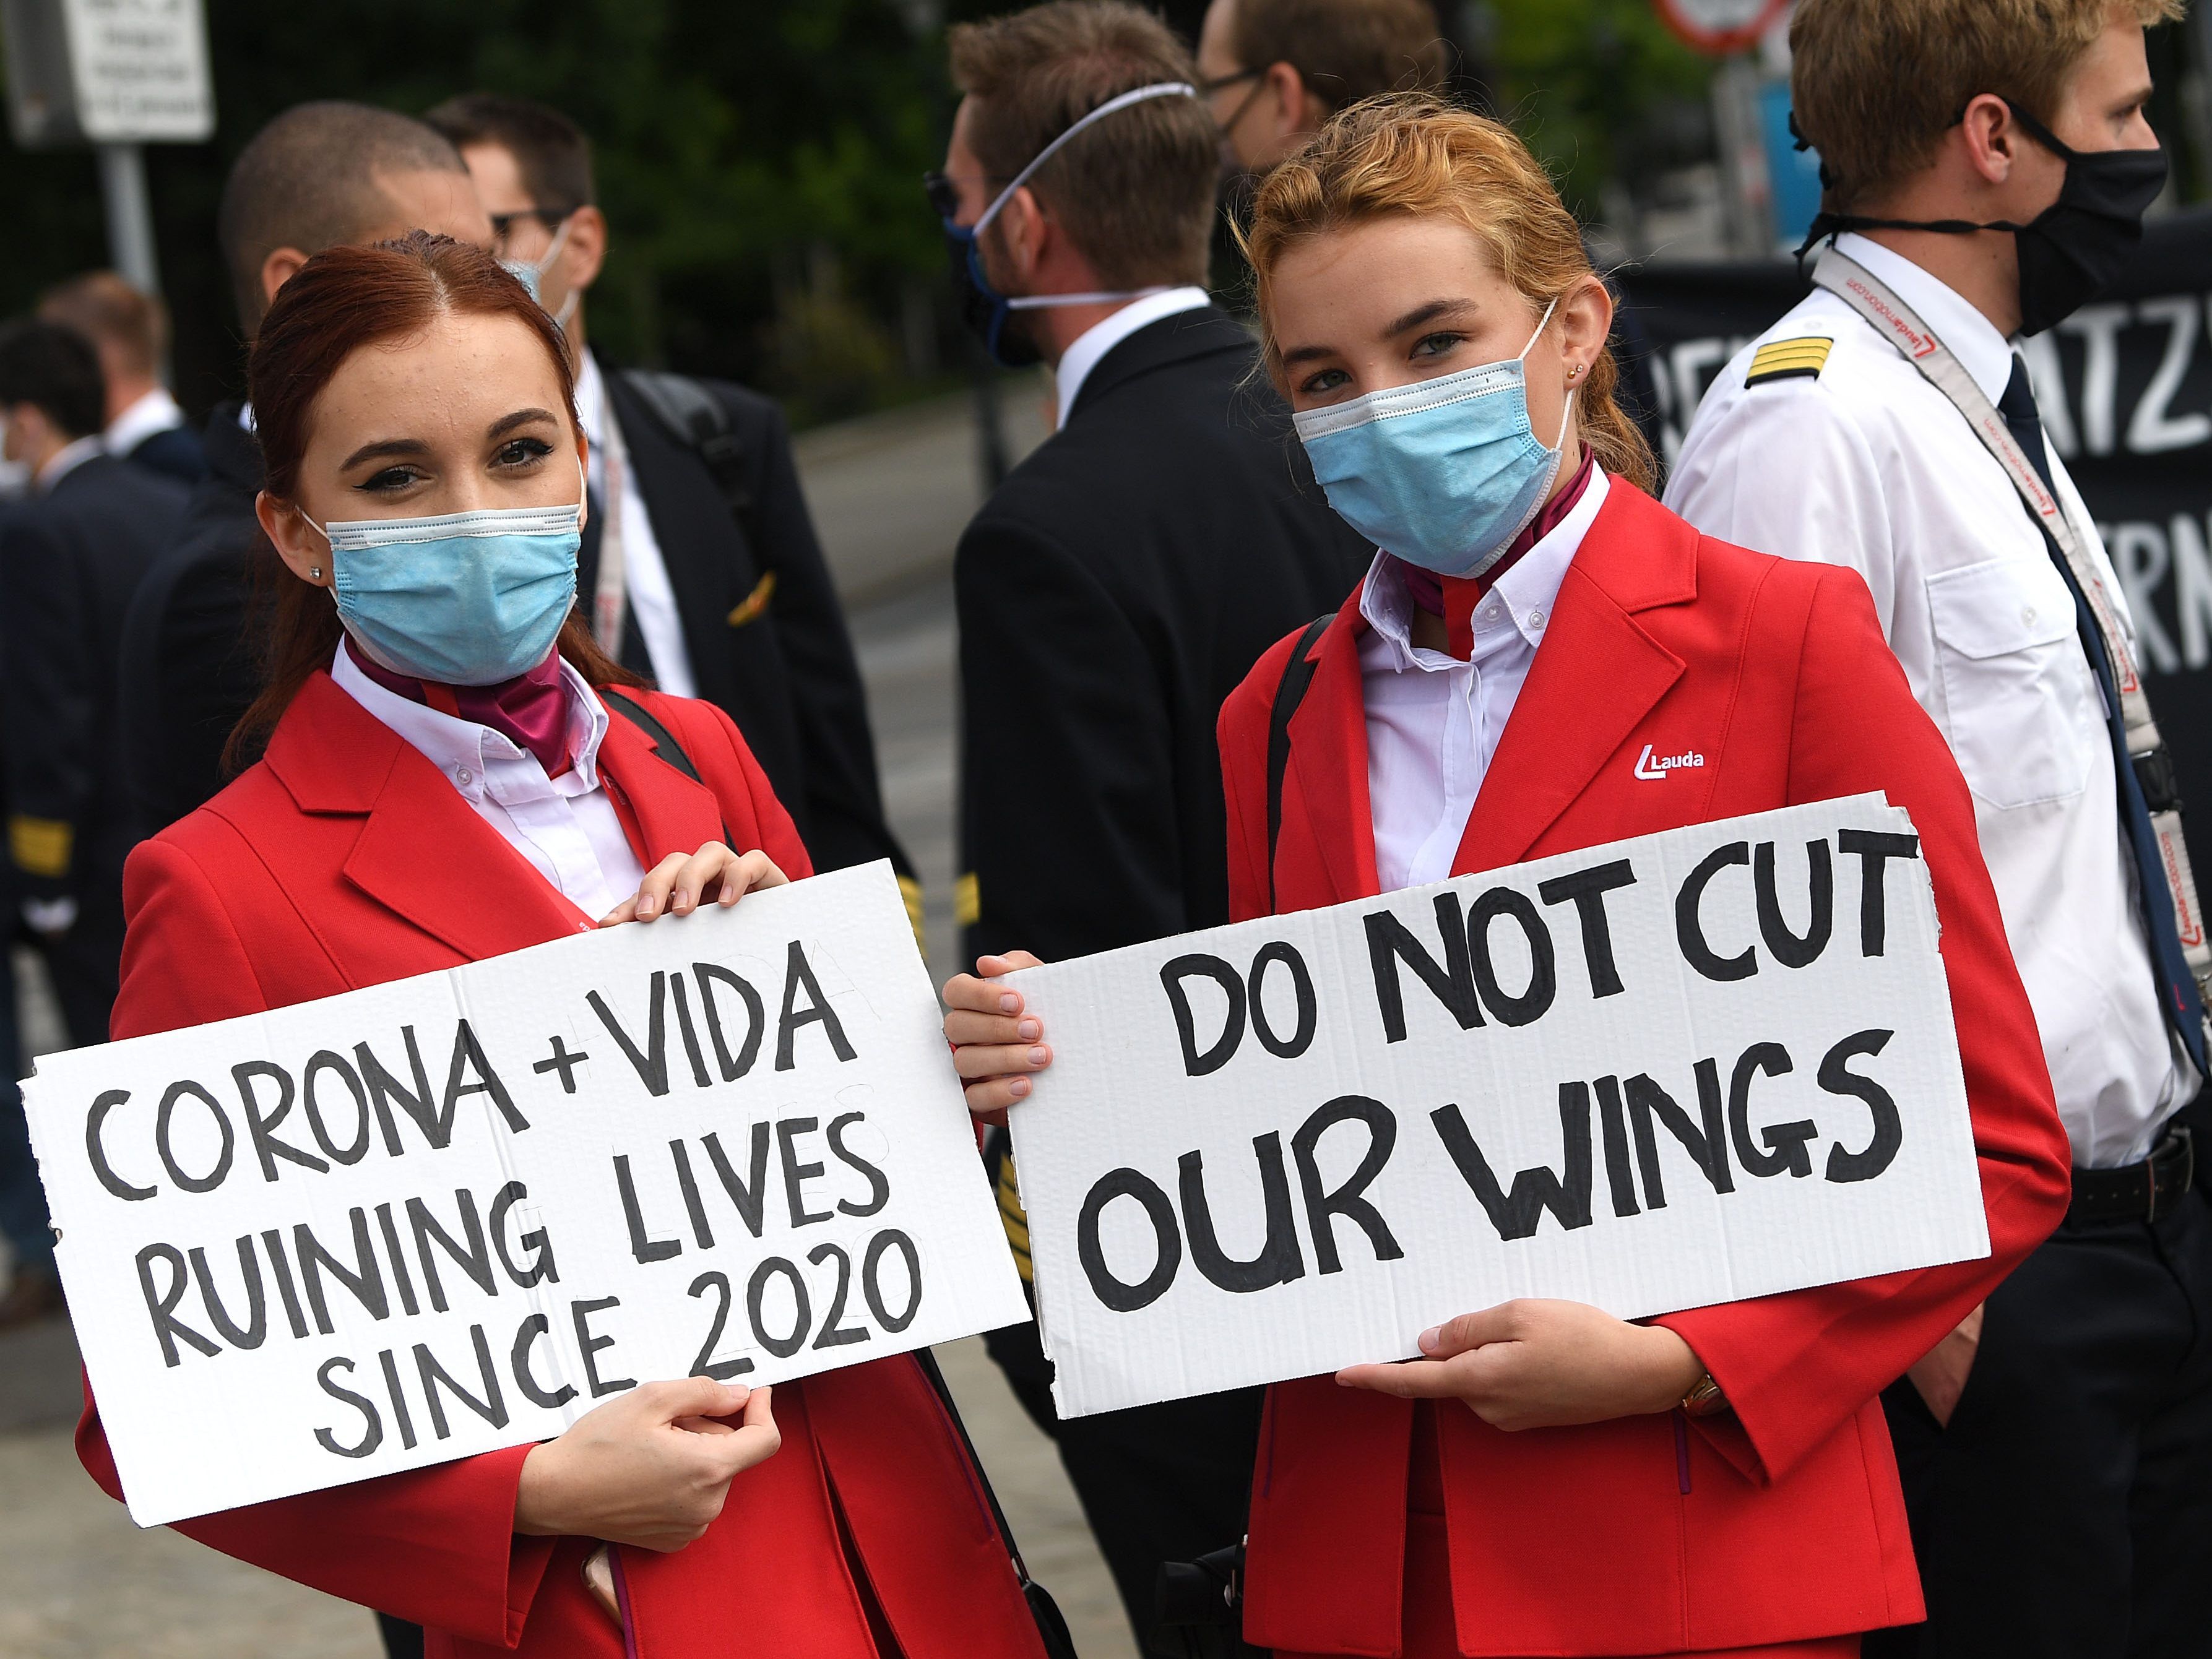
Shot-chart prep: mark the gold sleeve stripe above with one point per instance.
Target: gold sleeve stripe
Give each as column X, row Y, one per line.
column 966, row 906
column 910, row 891
column 1789, row 360
column 749, row 608
column 1011, row 1218
column 40, row 847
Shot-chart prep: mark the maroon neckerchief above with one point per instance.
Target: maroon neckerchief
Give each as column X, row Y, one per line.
column 1453, row 597
column 530, row 710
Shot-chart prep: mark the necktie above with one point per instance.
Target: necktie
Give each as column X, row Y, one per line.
column 2178, row 985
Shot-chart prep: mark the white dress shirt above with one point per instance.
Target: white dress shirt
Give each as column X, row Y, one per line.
column 156, row 411
column 1868, row 465
column 645, row 572
column 1434, row 721
column 1082, row 356
column 566, row 827
column 66, row 460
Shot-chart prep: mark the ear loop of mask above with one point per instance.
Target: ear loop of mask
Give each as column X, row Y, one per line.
column 1046, row 302
column 1542, row 323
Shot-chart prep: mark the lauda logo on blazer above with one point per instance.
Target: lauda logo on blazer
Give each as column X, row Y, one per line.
column 1654, row 768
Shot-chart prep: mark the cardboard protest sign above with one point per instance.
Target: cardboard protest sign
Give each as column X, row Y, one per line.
column 1689, row 1068
column 453, row 1212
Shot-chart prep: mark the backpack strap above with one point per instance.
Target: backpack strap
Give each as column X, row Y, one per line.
column 695, row 418
column 663, row 740
column 1290, row 692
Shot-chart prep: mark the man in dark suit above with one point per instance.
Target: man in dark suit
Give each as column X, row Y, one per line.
column 317, row 176
column 70, row 559
column 709, row 578
column 130, row 330
column 1112, row 593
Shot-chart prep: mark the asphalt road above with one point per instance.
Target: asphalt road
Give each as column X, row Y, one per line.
column 78, row 1581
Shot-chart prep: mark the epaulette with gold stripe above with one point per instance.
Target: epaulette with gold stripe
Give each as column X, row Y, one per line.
column 1789, row 360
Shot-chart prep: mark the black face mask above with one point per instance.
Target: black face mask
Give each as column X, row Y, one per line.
column 2071, row 250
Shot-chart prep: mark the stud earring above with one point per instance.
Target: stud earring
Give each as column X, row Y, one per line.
column 1576, row 370
column 314, row 573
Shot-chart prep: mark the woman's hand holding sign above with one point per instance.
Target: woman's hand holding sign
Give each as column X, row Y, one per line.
column 651, row 1468
column 1540, row 1364
column 996, row 1045
column 681, row 882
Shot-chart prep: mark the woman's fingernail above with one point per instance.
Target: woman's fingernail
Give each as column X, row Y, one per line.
column 1027, row 1030
column 1009, row 1003
column 645, row 904
column 1039, row 1054
column 1018, row 1087
column 1431, row 1338
column 680, row 900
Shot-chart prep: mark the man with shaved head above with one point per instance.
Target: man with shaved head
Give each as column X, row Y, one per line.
column 319, row 176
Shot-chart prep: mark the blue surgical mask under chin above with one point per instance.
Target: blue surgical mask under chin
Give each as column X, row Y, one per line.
column 460, row 598
column 1445, row 473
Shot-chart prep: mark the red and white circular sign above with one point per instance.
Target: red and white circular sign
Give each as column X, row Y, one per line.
column 1720, row 26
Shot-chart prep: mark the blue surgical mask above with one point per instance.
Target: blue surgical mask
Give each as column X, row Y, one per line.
column 531, row 273
column 461, row 598
column 987, row 311
column 1445, row 473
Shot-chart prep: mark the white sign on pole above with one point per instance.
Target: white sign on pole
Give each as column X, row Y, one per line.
column 140, row 70
column 453, row 1212
column 1690, row 1068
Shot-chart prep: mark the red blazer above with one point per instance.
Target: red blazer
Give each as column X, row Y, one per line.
column 344, row 859
column 1787, row 1524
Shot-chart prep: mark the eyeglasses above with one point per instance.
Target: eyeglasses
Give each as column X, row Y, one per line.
column 1223, row 82
column 503, row 224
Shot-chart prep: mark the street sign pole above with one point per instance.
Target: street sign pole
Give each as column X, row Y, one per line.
column 130, row 214
column 115, row 74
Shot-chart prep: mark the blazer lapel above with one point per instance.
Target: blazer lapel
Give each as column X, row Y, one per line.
column 1594, row 678
column 663, row 810
column 474, row 892
column 1328, row 763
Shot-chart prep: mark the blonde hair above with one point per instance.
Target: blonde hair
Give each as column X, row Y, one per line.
column 1411, row 154
column 1876, row 83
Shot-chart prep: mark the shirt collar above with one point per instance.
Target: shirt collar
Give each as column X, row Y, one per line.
column 591, row 399
column 156, row 411
column 1102, row 336
column 458, row 747
column 66, row 460
column 1528, row 592
column 1974, row 338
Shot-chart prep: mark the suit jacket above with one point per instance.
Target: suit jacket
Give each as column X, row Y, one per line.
column 70, row 561
column 1111, row 592
column 307, row 876
column 788, row 679
column 189, row 666
column 1781, row 1520
column 174, row 452
column 784, row 670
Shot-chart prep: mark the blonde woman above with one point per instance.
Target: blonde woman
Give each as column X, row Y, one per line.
column 1549, row 1478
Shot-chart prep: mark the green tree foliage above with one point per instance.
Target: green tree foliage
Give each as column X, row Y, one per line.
column 1599, row 88
column 759, row 162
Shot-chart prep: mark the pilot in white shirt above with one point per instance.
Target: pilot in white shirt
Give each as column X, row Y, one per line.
column 2056, row 1450
column 1822, row 441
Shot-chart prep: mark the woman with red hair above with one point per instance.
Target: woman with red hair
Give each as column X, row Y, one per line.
column 1545, row 1478
column 452, row 771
